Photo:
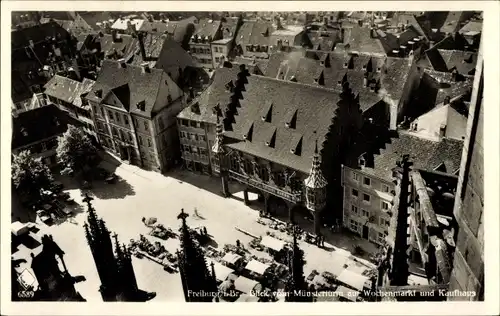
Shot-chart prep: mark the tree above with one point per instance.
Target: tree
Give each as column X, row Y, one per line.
column 29, row 175
column 75, row 152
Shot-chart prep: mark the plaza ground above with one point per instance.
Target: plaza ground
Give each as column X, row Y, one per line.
column 141, row 193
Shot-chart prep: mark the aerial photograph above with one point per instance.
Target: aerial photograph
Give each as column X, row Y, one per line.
column 247, row 156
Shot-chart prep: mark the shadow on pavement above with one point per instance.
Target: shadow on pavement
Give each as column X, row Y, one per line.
column 118, row 190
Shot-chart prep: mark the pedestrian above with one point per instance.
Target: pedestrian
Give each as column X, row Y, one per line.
column 238, row 243
column 323, row 241
column 205, row 231
column 196, row 212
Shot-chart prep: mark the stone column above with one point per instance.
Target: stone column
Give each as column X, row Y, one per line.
column 225, row 186
column 245, row 197
column 266, row 204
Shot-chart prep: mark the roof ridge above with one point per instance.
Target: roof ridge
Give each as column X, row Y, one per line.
column 295, row 83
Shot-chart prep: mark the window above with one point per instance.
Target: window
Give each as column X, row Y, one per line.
column 353, row 225
column 110, row 114
column 203, row 151
column 202, row 125
column 385, row 188
column 354, row 193
column 384, row 205
column 365, row 213
column 216, row 59
column 195, row 137
column 125, row 119
column 194, row 149
column 202, row 138
column 366, row 198
column 192, row 136
column 146, row 125
column 183, row 134
column 367, row 181
column 130, row 136
column 186, row 148
column 140, row 140
column 355, row 176
column 149, row 142
column 354, row 209
column 192, row 123
column 381, row 238
column 384, row 222
column 102, row 112
column 118, row 117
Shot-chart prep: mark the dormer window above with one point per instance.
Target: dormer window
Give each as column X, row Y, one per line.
column 141, row 105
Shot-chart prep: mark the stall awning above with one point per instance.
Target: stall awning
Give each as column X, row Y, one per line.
column 257, row 267
column 231, row 258
column 352, row 279
column 272, row 243
column 19, row 228
column 346, row 293
column 245, row 285
column 221, row 271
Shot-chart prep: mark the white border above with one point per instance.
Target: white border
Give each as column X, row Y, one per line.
column 491, row 153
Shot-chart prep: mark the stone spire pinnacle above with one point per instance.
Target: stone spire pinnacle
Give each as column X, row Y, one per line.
column 218, row 148
column 316, row 180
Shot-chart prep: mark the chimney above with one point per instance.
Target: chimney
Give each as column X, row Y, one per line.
column 101, row 34
column 279, row 26
column 373, row 33
column 114, row 35
column 191, row 93
column 140, row 38
column 442, row 131
column 365, row 81
column 360, row 22
column 121, row 63
column 145, row 68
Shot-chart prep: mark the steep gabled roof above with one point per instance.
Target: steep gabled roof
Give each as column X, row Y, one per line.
column 67, row 89
column 424, row 154
column 252, row 33
column 142, row 85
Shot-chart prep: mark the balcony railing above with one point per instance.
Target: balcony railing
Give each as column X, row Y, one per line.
column 292, row 197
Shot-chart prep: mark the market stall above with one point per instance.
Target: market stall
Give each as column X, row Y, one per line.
column 221, row 271
column 257, row 267
column 232, row 260
column 273, row 243
column 353, row 279
column 246, row 285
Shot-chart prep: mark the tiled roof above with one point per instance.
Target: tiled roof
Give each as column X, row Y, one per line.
column 472, row 27
column 207, row 28
column 153, row 44
column 252, row 33
column 424, row 154
column 37, row 124
column 94, row 17
column 315, row 109
column 215, row 93
column 392, row 76
column 324, row 43
column 358, row 39
column 141, row 86
column 464, row 62
column 253, row 63
column 38, row 33
column 449, row 87
column 124, row 47
column 452, row 42
column 451, row 24
column 161, row 27
column 229, row 27
column 67, row 89
column 122, row 24
column 172, row 55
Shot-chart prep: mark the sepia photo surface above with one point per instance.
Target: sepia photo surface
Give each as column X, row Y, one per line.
column 234, row 156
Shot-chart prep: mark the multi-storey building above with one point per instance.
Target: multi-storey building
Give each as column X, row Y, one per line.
column 270, row 141
column 37, row 131
column 134, row 110
column 197, row 124
column 38, row 52
column 206, row 31
column 368, row 182
column 69, row 95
